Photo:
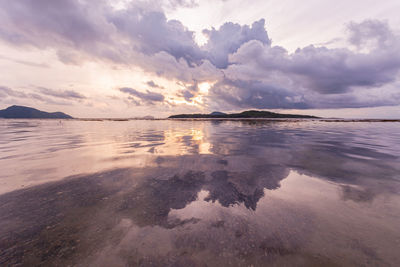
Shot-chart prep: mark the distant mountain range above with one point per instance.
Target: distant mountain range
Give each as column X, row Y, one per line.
column 243, row 115
column 21, row 112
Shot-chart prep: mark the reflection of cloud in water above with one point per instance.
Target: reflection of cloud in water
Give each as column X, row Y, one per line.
column 359, row 195
column 130, row 216
column 242, row 187
column 78, row 213
column 150, row 202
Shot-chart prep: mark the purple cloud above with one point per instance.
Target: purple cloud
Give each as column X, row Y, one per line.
column 154, row 85
column 148, row 97
column 256, row 94
column 229, row 37
column 9, row 93
column 247, row 69
column 66, row 94
column 315, row 73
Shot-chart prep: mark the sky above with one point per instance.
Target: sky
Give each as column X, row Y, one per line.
column 122, row 58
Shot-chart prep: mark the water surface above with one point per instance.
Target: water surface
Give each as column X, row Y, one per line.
column 199, row 193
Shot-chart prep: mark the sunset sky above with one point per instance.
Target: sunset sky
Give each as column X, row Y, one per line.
column 126, row 58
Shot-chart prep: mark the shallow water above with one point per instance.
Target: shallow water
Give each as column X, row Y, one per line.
column 199, row 193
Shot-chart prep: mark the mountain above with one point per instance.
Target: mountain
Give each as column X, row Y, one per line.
column 217, row 113
column 250, row 114
column 21, row 112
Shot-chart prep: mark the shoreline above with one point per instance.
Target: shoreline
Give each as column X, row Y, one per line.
column 214, row 119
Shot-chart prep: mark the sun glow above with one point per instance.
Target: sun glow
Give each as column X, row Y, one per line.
column 199, row 98
column 203, row 91
column 204, row 88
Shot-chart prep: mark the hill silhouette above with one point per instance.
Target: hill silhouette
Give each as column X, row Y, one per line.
column 243, row 115
column 21, row 112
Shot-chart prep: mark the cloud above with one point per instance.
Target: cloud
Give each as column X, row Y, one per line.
column 255, row 94
column 240, row 60
column 148, row 97
column 370, row 33
column 182, row 3
column 322, row 77
column 324, row 70
column 154, row 85
column 80, row 31
column 336, row 71
column 6, row 92
column 24, row 62
column 66, row 94
column 190, row 91
column 229, row 37
column 44, row 22
column 151, row 32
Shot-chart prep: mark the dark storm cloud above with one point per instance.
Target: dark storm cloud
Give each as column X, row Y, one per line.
column 148, row 97
column 247, row 69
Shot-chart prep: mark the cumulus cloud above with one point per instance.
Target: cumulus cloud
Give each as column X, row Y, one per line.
column 327, row 71
column 80, row 30
column 240, row 60
column 148, row 97
column 151, row 33
column 229, row 37
column 315, row 73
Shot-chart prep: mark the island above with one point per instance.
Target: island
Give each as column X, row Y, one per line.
column 21, row 112
column 250, row 114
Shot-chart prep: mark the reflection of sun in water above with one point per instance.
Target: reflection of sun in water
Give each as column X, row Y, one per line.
column 197, row 135
column 176, row 145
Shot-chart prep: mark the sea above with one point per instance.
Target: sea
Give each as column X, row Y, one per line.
column 199, row 193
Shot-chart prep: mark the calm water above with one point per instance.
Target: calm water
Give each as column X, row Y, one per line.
column 199, row 193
